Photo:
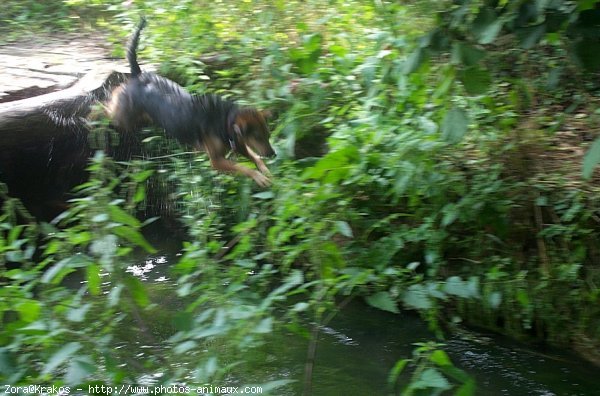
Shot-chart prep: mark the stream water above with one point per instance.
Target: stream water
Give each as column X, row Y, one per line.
column 359, row 347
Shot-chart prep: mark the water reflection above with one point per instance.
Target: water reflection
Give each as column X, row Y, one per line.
column 359, row 347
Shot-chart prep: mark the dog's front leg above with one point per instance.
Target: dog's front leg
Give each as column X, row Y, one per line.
column 258, row 162
column 226, row 165
column 216, row 152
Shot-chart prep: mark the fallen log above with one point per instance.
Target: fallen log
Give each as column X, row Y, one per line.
column 55, row 114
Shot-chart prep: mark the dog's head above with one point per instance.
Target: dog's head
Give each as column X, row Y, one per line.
column 251, row 125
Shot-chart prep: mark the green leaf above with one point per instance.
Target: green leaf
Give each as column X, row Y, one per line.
column 476, row 80
column 417, row 297
column 344, row 228
column 265, row 326
column 466, row 54
column 531, row 35
column 397, row 370
column 141, row 176
column 264, row 195
column 61, row 356
column 457, row 287
column 583, row 5
column 115, row 295
column 137, row 290
column 92, row 273
column 118, row 215
column 523, row 298
column 449, row 75
column 450, row 214
column 591, row 159
column 7, row 362
column 185, row 347
column 494, row 299
column 57, row 272
column 587, row 53
column 467, row 389
column 29, row 310
column 80, row 368
column 384, row 301
column 183, row 321
column 78, row 314
column 415, row 60
column 440, row 358
column 134, row 237
column 140, row 194
column 486, row 26
column 454, row 125
column 300, row 307
column 334, row 166
column 431, row 379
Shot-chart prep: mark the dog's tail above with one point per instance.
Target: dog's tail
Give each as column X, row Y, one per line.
column 132, row 47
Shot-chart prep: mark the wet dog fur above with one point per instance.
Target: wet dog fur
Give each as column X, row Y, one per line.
column 206, row 122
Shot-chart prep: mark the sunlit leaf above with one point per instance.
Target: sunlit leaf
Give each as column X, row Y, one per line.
column 494, row 299
column 29, row 310
column 264, row 195
column 61, row 356
column 114, row 295
column 185, row 347
column 440, row 358
column 265, row 326
column 344, row 228
column 301, row 306
column 457, row 287
column 382, row 300
column 78, row 314
column 79, row 369
column 57, row 272
column 417, row 297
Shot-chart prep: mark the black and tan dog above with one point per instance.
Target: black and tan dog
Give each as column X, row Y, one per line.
column 205, row 122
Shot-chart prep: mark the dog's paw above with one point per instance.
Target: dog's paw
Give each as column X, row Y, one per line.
column 261, row 179
column 265, row 171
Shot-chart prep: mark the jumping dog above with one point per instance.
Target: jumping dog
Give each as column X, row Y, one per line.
column 206, row 122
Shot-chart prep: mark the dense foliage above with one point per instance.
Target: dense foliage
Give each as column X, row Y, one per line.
column 421, row 165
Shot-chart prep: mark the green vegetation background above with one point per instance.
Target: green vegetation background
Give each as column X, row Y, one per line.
column 430, row 157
